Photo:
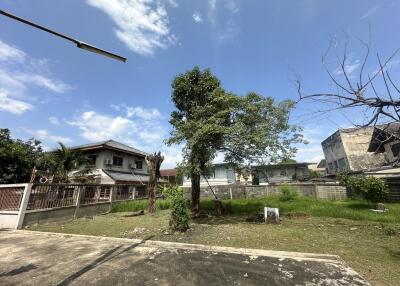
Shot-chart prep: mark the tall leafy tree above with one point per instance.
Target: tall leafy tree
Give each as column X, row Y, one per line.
column 208, row 120
column 17, row 158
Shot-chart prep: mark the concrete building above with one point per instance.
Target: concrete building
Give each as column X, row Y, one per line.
column 115, row 163
column 222, row 174
column 280, row 173
column 347, row 150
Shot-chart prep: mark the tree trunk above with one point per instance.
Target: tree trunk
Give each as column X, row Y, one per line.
column 152, row 194
column 195, row 195
column 154, row 164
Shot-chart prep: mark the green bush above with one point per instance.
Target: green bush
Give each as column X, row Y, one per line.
column 370, row 188
column 170, row 192
column 288, row 193
column 179, row 219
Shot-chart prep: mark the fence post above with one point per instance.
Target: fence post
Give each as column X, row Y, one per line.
column 230, row 192
column 111, row 197
column 23, row 206
column 78, row 201
column 316, row 191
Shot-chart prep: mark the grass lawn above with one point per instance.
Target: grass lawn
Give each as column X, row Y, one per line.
column 368, row 242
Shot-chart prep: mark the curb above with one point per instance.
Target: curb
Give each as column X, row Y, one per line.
column 299, row 256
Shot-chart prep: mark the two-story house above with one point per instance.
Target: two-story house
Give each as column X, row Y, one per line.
column 115, row 163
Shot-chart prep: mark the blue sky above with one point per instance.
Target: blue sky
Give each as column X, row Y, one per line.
column 53, row 91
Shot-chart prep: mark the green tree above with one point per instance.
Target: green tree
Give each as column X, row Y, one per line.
column 62, row 161
column 288, row 161
column 17, row 158
column 370, row 188
column 208, row 120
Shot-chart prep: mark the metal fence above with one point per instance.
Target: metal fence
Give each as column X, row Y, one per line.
column 11, row 197
column 52, row 196
column 48, row 196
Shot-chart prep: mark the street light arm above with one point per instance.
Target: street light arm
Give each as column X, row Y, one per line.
column 79, row 44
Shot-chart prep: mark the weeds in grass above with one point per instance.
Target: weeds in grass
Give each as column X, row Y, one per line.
column 349, row 209
column 288, row 193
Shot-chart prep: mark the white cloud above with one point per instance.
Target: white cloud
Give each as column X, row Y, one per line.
column 42, row 81
column 54, row 120
column 45, row 135
column 222, row 17
column 172, row 156
column 311, row 154
column 143, row 113
column 197, row 17
column 13, row 105
column 18, row 72
column 138, row 111
column 350, row 67
column 142, row 25
column 136, row 125
column 98, row 127
column 9, row 53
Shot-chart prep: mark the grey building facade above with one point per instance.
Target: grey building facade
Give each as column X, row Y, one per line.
column 280, row 173
column 222, row 174
column 347, row 150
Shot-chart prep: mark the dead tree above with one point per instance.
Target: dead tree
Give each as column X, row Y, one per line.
column 375, row 93
column 154, row 162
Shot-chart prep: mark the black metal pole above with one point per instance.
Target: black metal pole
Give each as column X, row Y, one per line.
column 79, row 44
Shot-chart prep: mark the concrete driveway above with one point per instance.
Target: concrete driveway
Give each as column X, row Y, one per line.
column 35, row 258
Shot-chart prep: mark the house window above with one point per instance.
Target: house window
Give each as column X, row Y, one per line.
column 396, row 149
column 283, row 172
column 91, row 160
column 342, row 163
column 330, row 166
column 139, row 164
column 336, row 164
column 117, row 161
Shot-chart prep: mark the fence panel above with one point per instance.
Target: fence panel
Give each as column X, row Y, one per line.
column 11, row 197
column 49, row 196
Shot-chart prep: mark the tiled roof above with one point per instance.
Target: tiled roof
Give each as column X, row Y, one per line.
column 168, row 172
column 127, row 177
column 110, row 144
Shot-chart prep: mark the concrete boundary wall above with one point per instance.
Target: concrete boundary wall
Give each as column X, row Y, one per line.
column 64, row 214
column 321, row 191
column 18, row 194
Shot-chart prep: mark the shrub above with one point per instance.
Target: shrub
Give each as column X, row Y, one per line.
column 179, row 219
column 169, row 191
column 371, row 189
column 288, row 193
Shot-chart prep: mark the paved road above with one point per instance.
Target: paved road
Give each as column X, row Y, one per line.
column 34, row 258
